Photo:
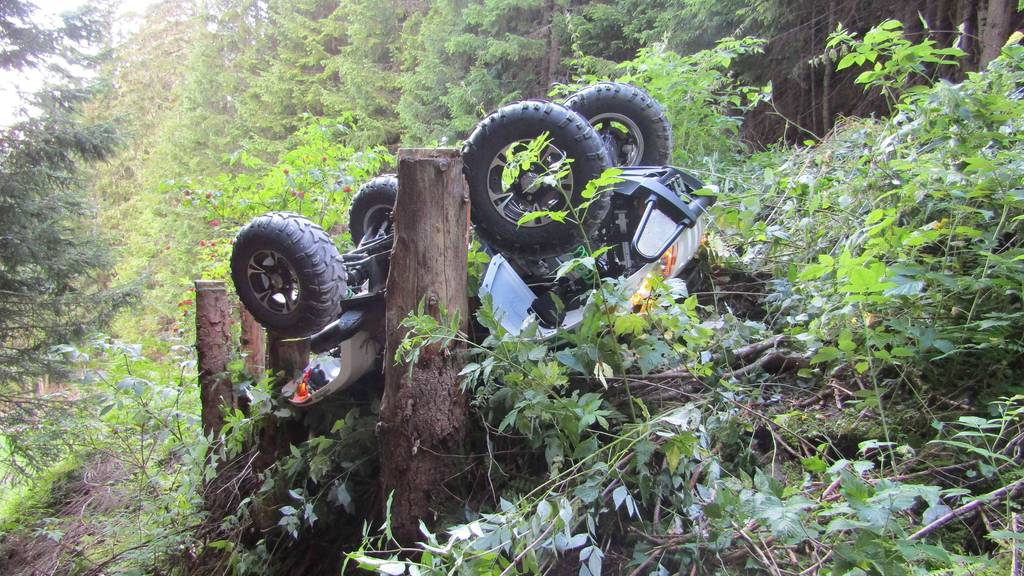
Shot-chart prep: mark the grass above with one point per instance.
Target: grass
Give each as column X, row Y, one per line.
column 22, row 505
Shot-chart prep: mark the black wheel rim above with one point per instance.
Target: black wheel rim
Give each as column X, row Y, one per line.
column 377, row 222
column 621, row 136
column 530, row 191
column 273, row 281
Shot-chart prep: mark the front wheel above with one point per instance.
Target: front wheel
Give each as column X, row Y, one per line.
column 288, row 274
column 501, row 192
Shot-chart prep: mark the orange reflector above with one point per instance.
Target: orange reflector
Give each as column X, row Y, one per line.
column 642, row 293
column 668, row 260
column 302, row 390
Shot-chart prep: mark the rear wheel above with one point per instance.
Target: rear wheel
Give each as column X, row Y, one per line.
column 372, row 206
column 288, row 274
column 632, row 125
column 499, row 198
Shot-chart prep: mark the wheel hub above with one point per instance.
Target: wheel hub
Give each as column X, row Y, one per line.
column 273, row 281
column 530, row 191
column 622, row 138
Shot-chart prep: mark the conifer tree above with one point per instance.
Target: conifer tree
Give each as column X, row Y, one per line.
column 52, row 258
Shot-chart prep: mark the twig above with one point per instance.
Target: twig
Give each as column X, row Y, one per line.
column 1012, row 444
column 814, row 398
column 647, row 561
column 929, row 472
column 519, row 557
column 1016, row 567
column 831, row 488
column 813, row 568
column 763, row 556
column 966, row 509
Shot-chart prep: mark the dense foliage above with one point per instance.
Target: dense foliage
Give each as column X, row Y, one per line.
column 54, row 264
column 833, row 389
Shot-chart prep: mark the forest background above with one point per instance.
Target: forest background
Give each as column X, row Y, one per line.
column 853, row 340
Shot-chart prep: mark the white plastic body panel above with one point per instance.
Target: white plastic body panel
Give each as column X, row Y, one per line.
column 511, row 298
column 358, row 356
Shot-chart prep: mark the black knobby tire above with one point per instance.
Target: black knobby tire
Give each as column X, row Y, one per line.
column 372, row 205
column 612, row 106
column 288, row 274
column 570, row 135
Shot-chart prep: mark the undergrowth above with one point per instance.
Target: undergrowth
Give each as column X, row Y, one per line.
column 833, row 390
column 889, row 257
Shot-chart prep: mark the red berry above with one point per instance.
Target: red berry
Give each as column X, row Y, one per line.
column 202, row 243
column 286, row 172
column 214, row 223
column 347, row 189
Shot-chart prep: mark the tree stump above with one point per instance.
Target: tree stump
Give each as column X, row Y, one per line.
column 423, row 411
column 213, row 345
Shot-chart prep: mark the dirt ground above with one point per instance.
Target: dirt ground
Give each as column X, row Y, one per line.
column 52, row 548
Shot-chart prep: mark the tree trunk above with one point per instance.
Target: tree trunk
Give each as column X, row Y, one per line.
column 941, row 21
column 213, row 344
column 826, row 82
column 998, row 20
column 286, row 358
column 553, row 56
column 423, row 411
column 968, row 17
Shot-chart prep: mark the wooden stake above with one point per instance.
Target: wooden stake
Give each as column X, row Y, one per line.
column 286, row 360
column 254, row 345
column 423, row 411
column 213, row 344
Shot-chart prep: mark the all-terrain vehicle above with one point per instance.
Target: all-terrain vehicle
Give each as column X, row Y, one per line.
column 291, row 277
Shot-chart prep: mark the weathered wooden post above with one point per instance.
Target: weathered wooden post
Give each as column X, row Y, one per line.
column 287, row 357
column 213, row 345
column 253, row 343
column 423, row 411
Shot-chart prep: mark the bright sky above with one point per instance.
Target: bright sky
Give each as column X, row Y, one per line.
column 14, row 85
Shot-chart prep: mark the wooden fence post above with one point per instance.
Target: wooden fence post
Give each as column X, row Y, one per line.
column 213, row 345
column 423, row 412
column 287, row 357
column 253, row 343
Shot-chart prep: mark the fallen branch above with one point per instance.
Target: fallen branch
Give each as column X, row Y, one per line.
column 968, row 508
column 774, row 362
column 757, row 348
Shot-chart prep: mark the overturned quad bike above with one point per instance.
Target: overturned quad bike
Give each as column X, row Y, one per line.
column 291, row 277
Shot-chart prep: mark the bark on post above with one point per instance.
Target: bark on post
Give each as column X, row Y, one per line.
column 254, row 345
column 213, row 344
column 423, row 412
column 286, row 358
